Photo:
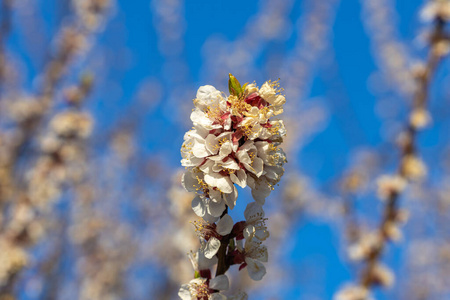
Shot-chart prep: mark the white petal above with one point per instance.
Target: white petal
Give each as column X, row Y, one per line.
column 191, row 161
column 279, row 100
column 200, row 118
column 189, row 182
column 258, row 166
column 184, row 292
column 220, row 283
column 239, row 177
column 210, row 219
column 262, row 234
column 223, row 183
column 226, row 149
column 255, row 268
column 225, row 225
column 253, row 212
column 199, row 150
column 267, row 92
column 273, row 173
column 211, row 248
column 215, row 209
column 249, row 232
column 231, row 198
column 217, row 296
column 206, row 96
column 207, row 166
column 211, row 144
column 198, row 206
column 205, row 263
column 261, row 190
column 231, row 164
column 261, row 254
column 215, row 196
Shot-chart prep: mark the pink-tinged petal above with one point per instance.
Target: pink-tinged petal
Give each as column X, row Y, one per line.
column 256, row 269
column 223, row 183
column 237, row 135
column 225, row 225
column 220, row 283
column 211, row 247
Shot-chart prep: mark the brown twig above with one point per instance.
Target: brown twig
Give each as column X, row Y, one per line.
column 408, row 148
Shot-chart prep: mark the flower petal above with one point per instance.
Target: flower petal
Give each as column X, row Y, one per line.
column 211, row 144
column 215, row 209
column 184, row 292
column 189, row 182
column 220, row 283
column 231, row 198
column 211, row 248
column 217, row 296
column 223, row 183
column 239, row 177
column 198, row 206
column 199, row 150
column 225, row 225
column 261, row 190
column 253, row 212
column 255, row 269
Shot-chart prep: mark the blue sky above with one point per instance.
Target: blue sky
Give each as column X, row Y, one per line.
column 148, row 68
column 341, row 87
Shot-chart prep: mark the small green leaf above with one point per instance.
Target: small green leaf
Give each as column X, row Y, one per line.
column 244, row 86
column 231, row 245
column 196, row 274
column 234, row 86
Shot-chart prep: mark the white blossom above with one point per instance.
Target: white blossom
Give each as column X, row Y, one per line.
column 233, row 141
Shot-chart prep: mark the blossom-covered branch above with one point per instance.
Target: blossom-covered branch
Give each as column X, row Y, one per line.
column 235, row 140
column 390, row 187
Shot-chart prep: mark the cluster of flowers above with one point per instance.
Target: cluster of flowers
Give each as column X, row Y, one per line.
column 233, row 141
